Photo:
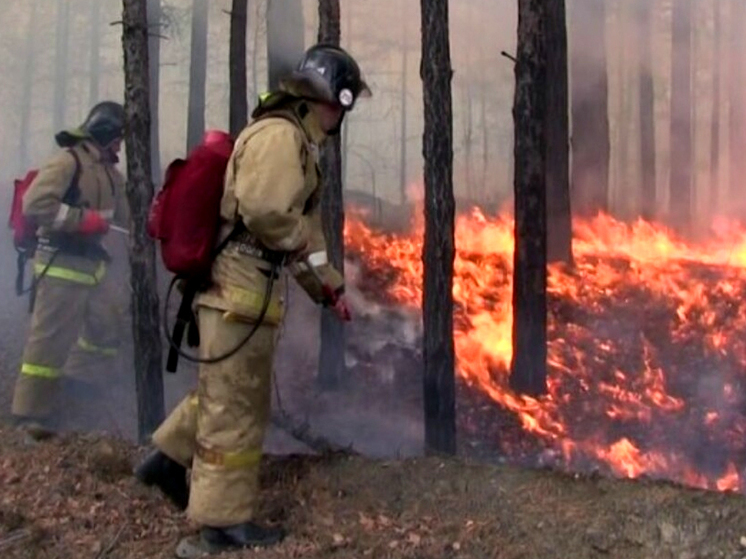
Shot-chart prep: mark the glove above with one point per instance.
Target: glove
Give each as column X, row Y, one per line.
column 342, row 310
column 337, row 303
column 92, row 223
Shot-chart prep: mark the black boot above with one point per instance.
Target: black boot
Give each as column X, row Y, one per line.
column 247, row 534
column 34, row 430
column 167, row 475
column 213, row 541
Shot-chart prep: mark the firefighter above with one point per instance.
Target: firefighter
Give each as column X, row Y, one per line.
column 272, row 191
column 73, row 199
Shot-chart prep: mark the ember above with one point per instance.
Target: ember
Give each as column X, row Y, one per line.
column 647, row 346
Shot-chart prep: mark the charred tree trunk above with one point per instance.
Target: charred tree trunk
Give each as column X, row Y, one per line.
column 154, row 54
column 239, row 95
column 332, row 351
column 285, row 37
column 590, row 119
column 715, row 122
column 644, row 26
column 559, row 220
column 27, row 89
column 197, row 74
column 60, row 64
column 439, row 383
column 737, row 120
column 145, row 321
column 529, row 366
column 94, row 67
column 681, row 117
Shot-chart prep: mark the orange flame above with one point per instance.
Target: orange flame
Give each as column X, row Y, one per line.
column 635, row 330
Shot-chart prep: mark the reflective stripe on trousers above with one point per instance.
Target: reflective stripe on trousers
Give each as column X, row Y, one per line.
column 40, row 371
column 89, row 347
column 230, row 460
column 41, row 269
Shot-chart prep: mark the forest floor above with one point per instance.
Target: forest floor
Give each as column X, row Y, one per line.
column 73, row 497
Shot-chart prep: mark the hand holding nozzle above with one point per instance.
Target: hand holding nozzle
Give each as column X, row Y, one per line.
column 337, row 303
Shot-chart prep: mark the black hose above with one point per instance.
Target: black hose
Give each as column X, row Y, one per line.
column 212, row 360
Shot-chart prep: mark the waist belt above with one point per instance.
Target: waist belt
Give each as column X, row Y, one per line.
column 245, row 243
column 74, row 246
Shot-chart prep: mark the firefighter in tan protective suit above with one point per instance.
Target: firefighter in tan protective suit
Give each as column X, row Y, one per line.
column 272, row 190
column 73, row 199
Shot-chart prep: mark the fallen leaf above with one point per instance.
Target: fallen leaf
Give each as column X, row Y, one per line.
column 367, row 522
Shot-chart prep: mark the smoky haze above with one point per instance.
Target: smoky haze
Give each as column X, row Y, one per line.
column 58, row 57
column 65, row 55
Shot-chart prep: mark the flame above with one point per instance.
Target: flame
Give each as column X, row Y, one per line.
column 646, row 345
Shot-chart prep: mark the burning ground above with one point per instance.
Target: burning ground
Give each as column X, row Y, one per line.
column 647, row 347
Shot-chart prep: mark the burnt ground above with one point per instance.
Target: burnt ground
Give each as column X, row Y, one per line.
column 73, row 498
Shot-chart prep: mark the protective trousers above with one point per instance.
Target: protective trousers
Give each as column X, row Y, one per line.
column 219, row 431
column 77, row 312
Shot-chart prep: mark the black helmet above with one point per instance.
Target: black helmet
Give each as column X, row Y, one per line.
column 327, row 73
column 105, row 123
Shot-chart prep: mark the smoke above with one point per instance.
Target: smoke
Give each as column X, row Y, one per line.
column 285, row 37
column 377, row 408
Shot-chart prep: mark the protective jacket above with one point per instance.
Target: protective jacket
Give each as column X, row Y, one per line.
column 273, row 188
column 58, row 209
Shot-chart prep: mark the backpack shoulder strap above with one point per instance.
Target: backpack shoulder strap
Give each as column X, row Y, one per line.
column 72, row 195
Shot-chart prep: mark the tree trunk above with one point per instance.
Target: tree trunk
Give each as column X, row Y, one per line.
column 60, row 64
column 239, row 95
column 618, row 203
column 644, row 27
column 27, row 90
column 345, row 147
column 717, row 64
column 529, row 366
column 468, row 192
column 94, row 67
column 255, row 48
column 197, row 74
column 145, row 307
column 285, row 38
column 590, row 119
column 487, row 195
column 439, row 384
column 332, row 350
column 680, row 207
column 154, row 54
column 737, row 122
column 403, row 122
column 559, row 218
